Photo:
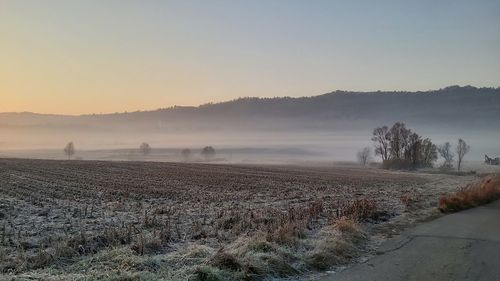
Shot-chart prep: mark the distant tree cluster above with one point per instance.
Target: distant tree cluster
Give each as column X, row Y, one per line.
column 208, row 153
column 145, row 148
column 401, row 148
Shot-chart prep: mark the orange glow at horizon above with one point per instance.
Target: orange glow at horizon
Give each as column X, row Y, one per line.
column 82, row 57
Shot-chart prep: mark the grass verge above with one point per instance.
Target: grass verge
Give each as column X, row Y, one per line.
column 484, row 192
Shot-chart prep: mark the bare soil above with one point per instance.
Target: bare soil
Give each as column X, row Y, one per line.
column 56, row 214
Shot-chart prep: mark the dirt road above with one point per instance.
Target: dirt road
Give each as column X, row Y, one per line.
column 461, row 246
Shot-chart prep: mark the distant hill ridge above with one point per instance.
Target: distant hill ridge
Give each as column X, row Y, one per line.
column 340, row 109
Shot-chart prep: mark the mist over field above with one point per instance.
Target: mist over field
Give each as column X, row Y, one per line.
column 329, row 127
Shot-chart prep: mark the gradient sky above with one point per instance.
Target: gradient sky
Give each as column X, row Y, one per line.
column 76, row 57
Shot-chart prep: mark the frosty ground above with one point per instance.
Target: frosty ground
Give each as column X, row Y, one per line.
column 88, row 220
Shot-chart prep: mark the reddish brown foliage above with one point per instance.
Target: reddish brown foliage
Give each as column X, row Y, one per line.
column 472, row 195
column 360, row 209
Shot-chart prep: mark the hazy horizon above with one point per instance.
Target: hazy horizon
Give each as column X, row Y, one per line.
column 330, row 127
column 160, row 107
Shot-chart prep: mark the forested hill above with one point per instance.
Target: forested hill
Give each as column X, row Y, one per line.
column 450, row 106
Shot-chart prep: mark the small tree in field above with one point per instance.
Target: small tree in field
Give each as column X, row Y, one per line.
column 364, row 156
column 145, row 148
column 462, row 149
column 186, row 154
column 69, row 150
column 445, row 152
column 208, row 153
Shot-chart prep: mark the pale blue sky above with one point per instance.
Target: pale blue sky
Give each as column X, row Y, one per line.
column 149, row 54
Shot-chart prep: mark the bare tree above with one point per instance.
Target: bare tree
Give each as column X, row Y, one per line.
column 186, row 154
column 208, row 153
column 429, row 153
column 381, row 139
column 462, row 149
column 399, row 140
column 401, row 148
column 145, row 148
column 69, row 150
column 364, row 156
column 445, row 152
column 414, row 149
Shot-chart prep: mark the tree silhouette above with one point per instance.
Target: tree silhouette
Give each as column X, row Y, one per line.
column 186, row 154
column 145, row 148
column 69, row 150
column 445, row 152
column 208, row 153
column 364, row 156
column 381, row 139
column 462, row 149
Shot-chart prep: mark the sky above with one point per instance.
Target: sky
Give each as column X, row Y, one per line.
column 101, row 56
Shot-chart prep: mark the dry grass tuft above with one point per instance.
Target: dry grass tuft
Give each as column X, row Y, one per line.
column 224, row 260
column 345, row 225
column 287, row 234
column 210, row 273
column 360, row 210
column 251, row 258
column 337, row 244
column 147, row 245
column 472, row 195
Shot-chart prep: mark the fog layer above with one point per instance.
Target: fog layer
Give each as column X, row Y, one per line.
column 330, row 127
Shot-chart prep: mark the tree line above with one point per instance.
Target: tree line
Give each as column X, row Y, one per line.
column 401, row 148
column 208, row 152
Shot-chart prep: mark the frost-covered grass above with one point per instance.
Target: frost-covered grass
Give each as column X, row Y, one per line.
column 90, row 220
